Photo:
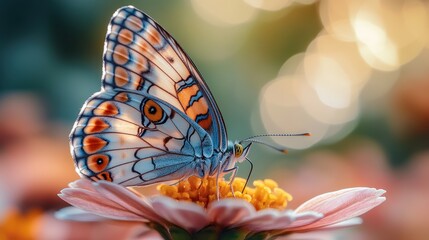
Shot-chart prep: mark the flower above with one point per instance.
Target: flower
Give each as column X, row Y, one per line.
column 256, row 212
column 17, row 225
column 266, row 193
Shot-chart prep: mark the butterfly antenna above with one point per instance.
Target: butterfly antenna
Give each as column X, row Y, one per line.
column 248, row 176
column 255, row 139
column 277, row 148
column 278, row 135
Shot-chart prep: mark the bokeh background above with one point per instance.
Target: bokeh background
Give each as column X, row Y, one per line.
column 353, row 73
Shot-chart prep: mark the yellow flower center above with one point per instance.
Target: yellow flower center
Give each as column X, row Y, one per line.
column 264, row 194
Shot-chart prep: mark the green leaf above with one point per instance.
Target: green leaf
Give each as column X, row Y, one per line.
column 207, row 233
column 217, row 233
column 233, row 233
column 258, row 236
column 179, row 233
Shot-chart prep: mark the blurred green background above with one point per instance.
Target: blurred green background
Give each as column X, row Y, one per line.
column 54, row 51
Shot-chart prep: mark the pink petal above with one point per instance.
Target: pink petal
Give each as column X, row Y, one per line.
column 271, row 219
column 324, row 232
column 126, row 198
column 239, row 213
column 304, row 218
column 229, row 212
column 77, row 214
column 83, row 184
column 144, row 233
column 96, row 204
column 186, row 215
column 346, row 223
column 109, row 200
column 341, row 205
column 268, row 219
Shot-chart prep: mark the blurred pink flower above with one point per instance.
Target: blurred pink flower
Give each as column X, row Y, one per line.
column 363, row 162
column 31, row 146
column 174, row 218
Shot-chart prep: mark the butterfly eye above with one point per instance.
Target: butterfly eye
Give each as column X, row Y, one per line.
column 153, row 111
column 238, row 149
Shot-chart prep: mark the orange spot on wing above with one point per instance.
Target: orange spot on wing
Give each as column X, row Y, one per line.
column 106, row 109
column 104, row 176
column 122, row 141
column 206, row 123
column 144, row 47
column 185, row 95
column 97, row 163
column 140, row 63
column 121, row 76
column 96, row 125
column 199, row 107
column 92, row 144
column 125, row 36
column 154, row 37
column 121, row 55
column 122, row 97
column 134, row 23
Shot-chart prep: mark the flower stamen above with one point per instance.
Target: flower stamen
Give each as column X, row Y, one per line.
column 264, row 194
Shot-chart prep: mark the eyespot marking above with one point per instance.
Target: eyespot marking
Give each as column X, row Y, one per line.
column 153, row 111
column 98, row 162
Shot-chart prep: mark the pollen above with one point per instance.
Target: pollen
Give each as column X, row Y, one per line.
column 264, row 193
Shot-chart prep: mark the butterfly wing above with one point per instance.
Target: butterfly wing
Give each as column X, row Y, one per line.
column 133, row 138
column 140, row 55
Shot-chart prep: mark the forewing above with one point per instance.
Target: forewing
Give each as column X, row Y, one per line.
column 140, row 55
column 133, row 138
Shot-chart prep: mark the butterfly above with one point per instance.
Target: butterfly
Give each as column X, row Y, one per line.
column 154, row 119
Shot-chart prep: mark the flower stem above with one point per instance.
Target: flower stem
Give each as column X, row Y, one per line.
column 165, row 234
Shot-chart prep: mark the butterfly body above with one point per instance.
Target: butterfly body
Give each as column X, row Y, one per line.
column 154, row 119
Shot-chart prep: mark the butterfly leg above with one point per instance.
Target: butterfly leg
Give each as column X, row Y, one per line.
column 234, row 173
column 217, row 181
column 201, row 183
column 177, row 182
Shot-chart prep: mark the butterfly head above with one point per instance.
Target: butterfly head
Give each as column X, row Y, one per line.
column 239, row 152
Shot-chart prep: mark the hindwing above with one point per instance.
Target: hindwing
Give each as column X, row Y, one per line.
column 133, row 138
